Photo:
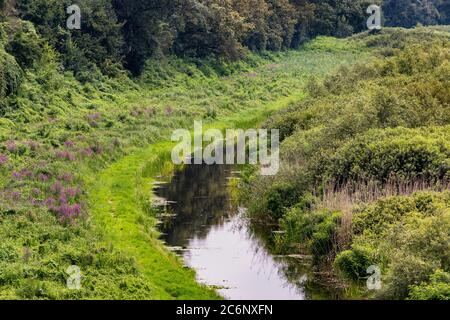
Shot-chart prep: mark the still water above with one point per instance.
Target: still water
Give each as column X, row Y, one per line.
column 214, row 237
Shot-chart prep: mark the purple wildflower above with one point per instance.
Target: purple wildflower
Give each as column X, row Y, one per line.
column 3, row 159
column 72, row 192
column 87, row 152
column 11, row 146
column 43, row 177
column 16, row 195
column 33, row 145
column 57, row 187
column 50, row 202
column 67, row 177
column 16, row 175
column 65, row 155
column 69, row 144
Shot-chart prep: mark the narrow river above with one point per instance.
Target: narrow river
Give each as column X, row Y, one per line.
column 214, row 237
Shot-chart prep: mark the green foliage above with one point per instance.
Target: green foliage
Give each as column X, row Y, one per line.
column 410, row 236
column 139, row 30
column 384, row 125
column 437, row 289
column 25, row 45
column 406, row 13
column 338, row 134
column 11, row 75
column 99, row 43
column 394, row 154
column 58, row 130
column 353, row 264
column 280, row 197
column 315, row 228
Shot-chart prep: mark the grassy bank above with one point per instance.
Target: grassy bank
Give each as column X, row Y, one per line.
column 365, row 170
column 76, row 167
column 121, row 209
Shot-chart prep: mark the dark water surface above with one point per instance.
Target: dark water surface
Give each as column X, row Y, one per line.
column 213, row 236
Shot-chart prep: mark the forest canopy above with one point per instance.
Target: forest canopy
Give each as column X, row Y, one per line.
column 118, row 33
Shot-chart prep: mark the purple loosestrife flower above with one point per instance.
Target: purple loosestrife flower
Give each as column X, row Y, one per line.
column 26, row 173
column 11, row 146
column 50, row 202
column 43, row 177
column 16, row 195
column 72, row 192
column 69, row 144
column 56, row 188
column 16, row 175
column 3, row 159
column 65, row 155
column 63, row 198
column 87, row 152
column 35, row 202
column 67, row 177
column 33, row 145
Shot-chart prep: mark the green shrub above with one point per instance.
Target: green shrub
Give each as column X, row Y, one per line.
column 405, row 271
column 437, row 289
column 11, row 75
column 394, row 154
column 279, row 198
column 389, row 211
column 26, row 46
column 353, row 263
column 315, row 228
column 322, row 240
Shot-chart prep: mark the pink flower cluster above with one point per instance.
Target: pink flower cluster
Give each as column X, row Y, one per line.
column 65, row 155
column 63, row 201
column 3, row 159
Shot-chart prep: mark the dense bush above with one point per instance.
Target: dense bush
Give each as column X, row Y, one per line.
column 25, row 45
column 338, row 136
column 437, row 289
column 411, row 239
column 11, row 75
column 402, row 155
column 316, row 229
column 137, row 30
column 353, row 264
column 279, row 198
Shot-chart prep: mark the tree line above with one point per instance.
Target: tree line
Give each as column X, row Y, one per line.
column 118, row 33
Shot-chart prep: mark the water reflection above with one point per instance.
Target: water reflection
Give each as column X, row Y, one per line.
column 214, row 237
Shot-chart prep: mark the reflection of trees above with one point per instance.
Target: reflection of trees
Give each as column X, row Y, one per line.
column 201, row 200
column 297, row 272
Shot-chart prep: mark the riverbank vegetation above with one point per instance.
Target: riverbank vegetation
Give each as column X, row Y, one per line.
column 59, row 132
column 365, row 169
column 84, row 116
